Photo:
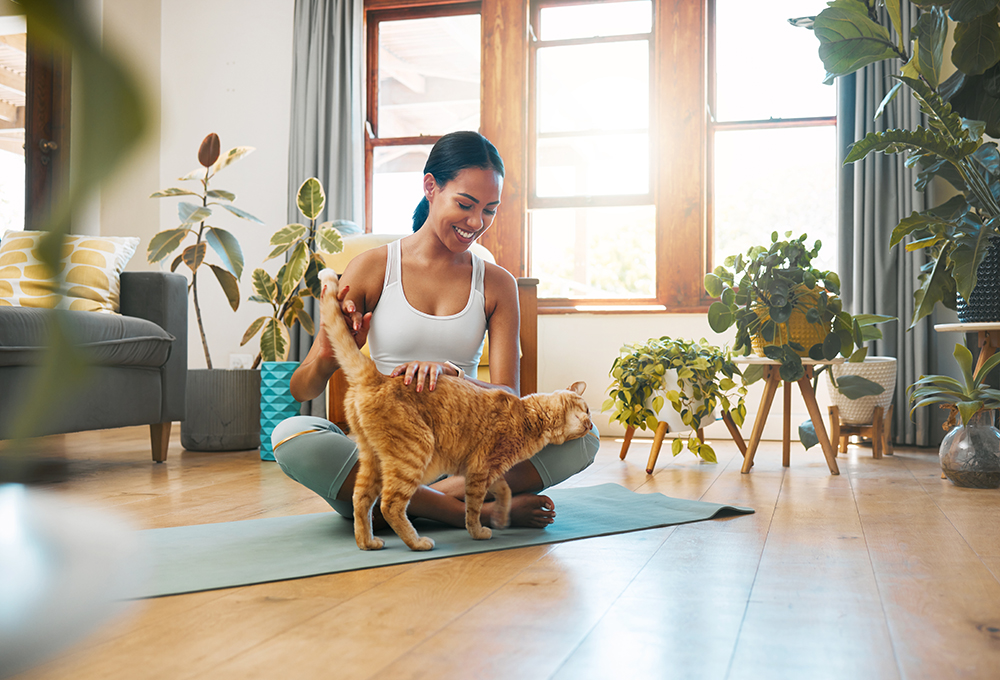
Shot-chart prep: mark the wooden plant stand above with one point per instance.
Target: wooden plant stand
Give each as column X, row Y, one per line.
column 878, row 431
column 663, row 428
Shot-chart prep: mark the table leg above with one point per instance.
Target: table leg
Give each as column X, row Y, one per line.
column 988, row 343
column 809, row 396
column 835, row 428
column 735, row 433
column 786, row 426
column 878, row 436
column 770, row 388
column 628, row 440
column 654, row 453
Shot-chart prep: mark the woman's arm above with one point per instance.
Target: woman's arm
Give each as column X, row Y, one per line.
column 360, row 288
column 503, row 318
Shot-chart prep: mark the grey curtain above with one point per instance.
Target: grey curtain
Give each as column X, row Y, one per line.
column 327, row 121
column 874, row 195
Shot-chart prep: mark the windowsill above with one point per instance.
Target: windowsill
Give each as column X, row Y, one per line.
column 583, row 308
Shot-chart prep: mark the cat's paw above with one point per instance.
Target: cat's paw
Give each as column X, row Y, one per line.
column 373, row 543
column 481, row 533
column 422, row 543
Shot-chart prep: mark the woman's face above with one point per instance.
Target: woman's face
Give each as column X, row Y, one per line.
column 464, row 208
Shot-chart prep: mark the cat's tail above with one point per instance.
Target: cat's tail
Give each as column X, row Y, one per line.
column 355, row 364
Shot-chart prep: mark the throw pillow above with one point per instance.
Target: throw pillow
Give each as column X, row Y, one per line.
column 90, row 268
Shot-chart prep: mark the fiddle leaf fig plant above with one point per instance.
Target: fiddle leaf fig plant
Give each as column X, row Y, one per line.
column 298, row 278
column 194, row 218
column 706, row 379
column 955, row 235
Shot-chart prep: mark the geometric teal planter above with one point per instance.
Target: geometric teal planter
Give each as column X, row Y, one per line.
column 276, row 400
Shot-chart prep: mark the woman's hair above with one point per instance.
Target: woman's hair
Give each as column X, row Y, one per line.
column 453, row 153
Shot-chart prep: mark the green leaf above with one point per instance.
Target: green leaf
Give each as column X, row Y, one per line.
column 707, row 454
column 850, row 40
column 219, row 193
column 311, row 198
column 856, row 386
column 934, row 287
column 289, row 235
column 753, row 373
column 977, row 44
column 240, row 213
column 832, row 344
column 164, row 243
column 916, row 221
column 198, row 173
column 328, row 240
column 967, row 409
column 677, row 446
column 971, row 244
column 967, row 10
column 313, row 283
column 227, row 248
column 984, row 371
column 264, row 285
column 231, row 157
column 189, row 213
column 930, row 34
column 807, row 434
column 194, row 255
column 166, row 193
column 305, row 320
column 229, row 285
column 252, row 330
column 274, row 342
column 895, row 18
column 720, row 317
column 964, row 359
column 291, row 273
column 713, row 285
column 859, row 355
column 919, row 139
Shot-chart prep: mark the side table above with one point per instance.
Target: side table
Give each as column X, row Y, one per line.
column 989, row 337
column 772, row 380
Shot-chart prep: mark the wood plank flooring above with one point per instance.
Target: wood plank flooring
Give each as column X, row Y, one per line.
column 886, row 571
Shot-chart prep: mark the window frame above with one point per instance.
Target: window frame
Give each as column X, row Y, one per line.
column 713, row 127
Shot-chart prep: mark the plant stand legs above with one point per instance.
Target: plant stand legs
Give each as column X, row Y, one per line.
column 879, row 431
column 770, row 388
column 734, row 431
column 809, row 396
column 628, row 440
column 654, row 452
column 786, row 426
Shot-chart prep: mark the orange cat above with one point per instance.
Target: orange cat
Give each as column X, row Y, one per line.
column 406, row 438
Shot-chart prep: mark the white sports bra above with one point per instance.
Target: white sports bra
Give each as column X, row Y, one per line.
column 399, row 333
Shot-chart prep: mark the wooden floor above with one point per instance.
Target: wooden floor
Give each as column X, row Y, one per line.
column 886, row 571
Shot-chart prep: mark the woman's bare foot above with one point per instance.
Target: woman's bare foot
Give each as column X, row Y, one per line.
column 527, row 510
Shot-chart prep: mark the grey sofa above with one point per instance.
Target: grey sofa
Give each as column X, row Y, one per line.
column 138, row 370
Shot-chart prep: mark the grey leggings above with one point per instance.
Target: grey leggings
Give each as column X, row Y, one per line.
column 317, row 454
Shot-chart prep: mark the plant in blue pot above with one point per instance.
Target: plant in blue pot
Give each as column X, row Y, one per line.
column 297, row 280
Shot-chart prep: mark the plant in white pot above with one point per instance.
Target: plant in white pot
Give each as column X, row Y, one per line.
column 222, row 406
column 680, row 382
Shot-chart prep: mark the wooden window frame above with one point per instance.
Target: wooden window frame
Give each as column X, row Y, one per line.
column 678, row 130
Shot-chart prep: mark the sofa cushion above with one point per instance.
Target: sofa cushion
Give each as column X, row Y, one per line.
column 89, row 268
column 106, row 339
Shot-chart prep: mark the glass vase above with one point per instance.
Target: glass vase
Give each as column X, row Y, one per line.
column 970, row 455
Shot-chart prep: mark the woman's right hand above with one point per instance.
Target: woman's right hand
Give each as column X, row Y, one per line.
column 358, row 324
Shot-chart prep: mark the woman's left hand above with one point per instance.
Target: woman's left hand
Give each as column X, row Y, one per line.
column 421, row 373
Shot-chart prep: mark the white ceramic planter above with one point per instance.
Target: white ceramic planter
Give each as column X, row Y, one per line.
column 672, row 417
column 881, row 370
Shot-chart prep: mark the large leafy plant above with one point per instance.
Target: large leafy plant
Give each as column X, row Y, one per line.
column 194, row 222
column 298, row 278
column 956, row 234
column 966, row 397
column 706, row 379
column 761, row 289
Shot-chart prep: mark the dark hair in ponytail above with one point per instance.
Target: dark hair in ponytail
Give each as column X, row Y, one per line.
column 453, row 153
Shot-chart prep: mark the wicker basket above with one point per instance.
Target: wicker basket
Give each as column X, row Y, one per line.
column 805, row 333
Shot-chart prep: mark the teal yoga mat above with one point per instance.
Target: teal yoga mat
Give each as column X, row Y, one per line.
column 209, row 556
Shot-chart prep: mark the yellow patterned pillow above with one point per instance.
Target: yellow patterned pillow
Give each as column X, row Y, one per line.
column 91, row 267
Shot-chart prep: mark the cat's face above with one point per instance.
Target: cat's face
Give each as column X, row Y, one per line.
column 576, row 414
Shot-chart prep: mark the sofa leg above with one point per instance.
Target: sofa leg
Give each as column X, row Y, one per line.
column 159, row 436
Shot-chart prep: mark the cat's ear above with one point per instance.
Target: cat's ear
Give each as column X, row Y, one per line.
column 578, row 387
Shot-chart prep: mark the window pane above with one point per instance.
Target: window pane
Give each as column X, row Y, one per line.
column 12, row 102
column 428, row 76
column 765, row 66
column 596, row 20
column 605, row 165
column 397, row 187
column 594, row 87
column 594, row 252
column 776, row 180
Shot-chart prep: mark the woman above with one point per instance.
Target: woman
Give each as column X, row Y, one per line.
column 452, row 299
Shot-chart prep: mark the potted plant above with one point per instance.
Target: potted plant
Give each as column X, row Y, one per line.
column 696, row 378
column 221, row 410
column 970, row 452
column 960, row 236
column 785, row 309
column 296, row 281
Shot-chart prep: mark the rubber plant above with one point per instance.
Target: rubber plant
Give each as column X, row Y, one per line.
column 194, row 222
column 706, row 380
column 955, row 235
column 298, row 277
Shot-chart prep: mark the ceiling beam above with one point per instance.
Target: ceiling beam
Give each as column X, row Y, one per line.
column 12, row 79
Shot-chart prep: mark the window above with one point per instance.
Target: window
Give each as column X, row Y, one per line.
column 772, row 134
column 424, row 73
column 591, row 206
